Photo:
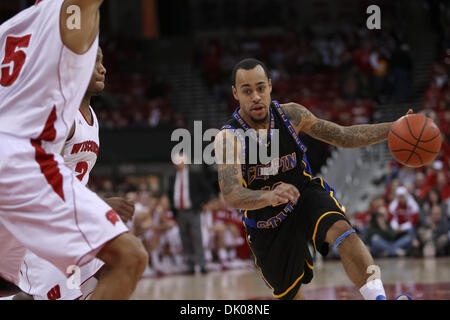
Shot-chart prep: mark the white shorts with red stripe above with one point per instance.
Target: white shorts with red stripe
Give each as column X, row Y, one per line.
column 44, row 281
column 48, row 210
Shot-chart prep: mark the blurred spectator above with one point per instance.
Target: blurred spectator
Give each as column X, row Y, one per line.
column 188, row 192
column 167, row 253
column 404, row 211
column 401, row 64
column 350, row 88
column 379, row 66
column 439, row 77
column 382, row 239
column 389, row 193
column 207, row 223
column 443, row 186
column 406, row 177
column 420, row 188
column 362, row 56
column 434, row 234
column 362, row 219
column 433, row 95
column 431, row 171
column 227, row 235
column 433, row 198
column 142, row 225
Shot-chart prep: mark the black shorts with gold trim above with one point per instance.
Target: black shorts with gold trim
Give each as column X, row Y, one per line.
column 282, row 253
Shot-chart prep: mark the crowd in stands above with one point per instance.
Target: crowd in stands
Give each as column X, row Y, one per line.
column 340, row 75
column 412, row 217
column 154, row 224
column 134, row 96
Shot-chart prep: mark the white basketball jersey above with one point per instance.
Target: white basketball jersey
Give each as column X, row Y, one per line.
column 81, row 150
column 42, row 82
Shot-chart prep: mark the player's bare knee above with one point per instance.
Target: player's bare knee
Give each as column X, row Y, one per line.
column 135, row 256
column 339, row 228
column 141, row 257
column 125, row 252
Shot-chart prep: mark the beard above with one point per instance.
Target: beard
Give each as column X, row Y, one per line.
column 258, row 121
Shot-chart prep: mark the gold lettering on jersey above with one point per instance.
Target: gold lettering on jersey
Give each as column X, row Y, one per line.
column 264, row 172
column 275, row 221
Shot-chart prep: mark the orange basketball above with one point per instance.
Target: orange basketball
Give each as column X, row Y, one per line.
column 414, row 140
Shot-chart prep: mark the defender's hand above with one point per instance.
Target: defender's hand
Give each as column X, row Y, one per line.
column 124, row 208
column 283, row 193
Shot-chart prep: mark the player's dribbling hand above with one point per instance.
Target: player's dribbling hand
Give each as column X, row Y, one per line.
column 124, row 208
column 283, row 193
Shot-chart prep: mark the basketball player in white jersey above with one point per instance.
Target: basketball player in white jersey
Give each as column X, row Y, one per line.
column 46, row 65
column 38, row 278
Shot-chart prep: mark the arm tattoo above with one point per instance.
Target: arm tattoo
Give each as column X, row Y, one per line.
column 230, row 180
column 293, row 113
column 297, row 114
column 235, row 193
column 350, row 137
column 252, row 199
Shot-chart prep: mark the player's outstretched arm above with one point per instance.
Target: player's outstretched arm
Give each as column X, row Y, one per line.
column 228, row 159
column 355, row 136
column 79, row 24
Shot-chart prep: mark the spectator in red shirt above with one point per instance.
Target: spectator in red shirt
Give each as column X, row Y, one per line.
column 420, row 187
column 442, row 185
column 405, row 211
column 362, row 57
column 362, row 219
column 431, row 173
column 433, row 94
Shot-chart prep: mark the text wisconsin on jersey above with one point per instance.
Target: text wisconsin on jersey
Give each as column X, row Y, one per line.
column 86, row 146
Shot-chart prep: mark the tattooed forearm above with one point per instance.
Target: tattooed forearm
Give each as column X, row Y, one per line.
column 234, row 193
column 350, row 137
column 251, row 199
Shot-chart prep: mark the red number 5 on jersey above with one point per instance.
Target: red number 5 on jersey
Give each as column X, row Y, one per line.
column 14, row 59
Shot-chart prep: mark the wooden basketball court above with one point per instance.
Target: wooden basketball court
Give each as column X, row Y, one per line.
column 422, row 279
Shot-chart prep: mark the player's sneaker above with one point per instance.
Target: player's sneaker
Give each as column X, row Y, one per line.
column 403, row 297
